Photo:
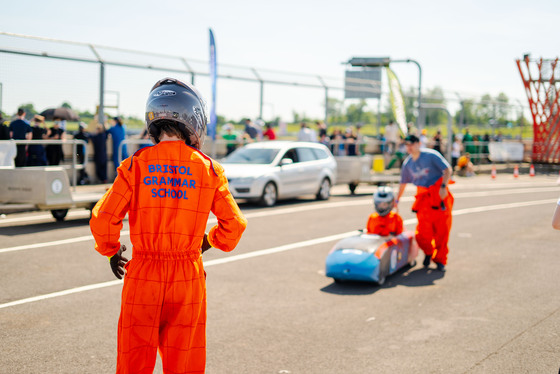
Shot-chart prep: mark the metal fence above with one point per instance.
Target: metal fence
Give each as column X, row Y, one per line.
column 73, row 167
column 48, row 72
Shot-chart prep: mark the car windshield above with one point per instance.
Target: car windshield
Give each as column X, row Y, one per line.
column 251, row 156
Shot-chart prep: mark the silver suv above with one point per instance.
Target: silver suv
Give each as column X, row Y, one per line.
column 268, row 171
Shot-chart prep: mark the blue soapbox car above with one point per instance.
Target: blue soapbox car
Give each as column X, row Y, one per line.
column 371, row 258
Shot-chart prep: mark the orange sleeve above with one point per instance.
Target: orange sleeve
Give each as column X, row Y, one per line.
column 109, row 212
column 231, row 222
column 371, row 224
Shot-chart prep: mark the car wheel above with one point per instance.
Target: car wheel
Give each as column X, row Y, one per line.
column 59, row 214
column 269, row 195
column 324, row 190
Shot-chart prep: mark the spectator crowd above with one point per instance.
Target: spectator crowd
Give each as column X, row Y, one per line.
column 346, row 141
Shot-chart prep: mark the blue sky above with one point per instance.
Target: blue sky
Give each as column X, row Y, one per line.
column 463, row 47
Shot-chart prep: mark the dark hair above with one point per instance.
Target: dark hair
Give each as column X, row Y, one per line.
column 411, row 138
column 20, row 111
column 118, row 120
column 170, row 128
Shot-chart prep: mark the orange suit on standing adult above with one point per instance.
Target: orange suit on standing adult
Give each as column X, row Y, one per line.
column 431, row 173
column 168, row 191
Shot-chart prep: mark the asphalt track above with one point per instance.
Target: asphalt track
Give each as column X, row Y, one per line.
column 272, row 310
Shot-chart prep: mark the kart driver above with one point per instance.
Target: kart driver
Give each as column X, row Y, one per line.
column 385, row 221
column 430, row 172
column 168, row 191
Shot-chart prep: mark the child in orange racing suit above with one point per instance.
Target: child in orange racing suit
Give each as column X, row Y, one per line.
column 385, row 221
column 168, row 191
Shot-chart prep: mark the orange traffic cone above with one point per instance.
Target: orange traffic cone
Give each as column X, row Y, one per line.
column 532, row 171
column 515, row 171
column 493, row 171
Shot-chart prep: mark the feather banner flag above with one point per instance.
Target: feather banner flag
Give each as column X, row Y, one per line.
column 397, row 100
column 213, row 78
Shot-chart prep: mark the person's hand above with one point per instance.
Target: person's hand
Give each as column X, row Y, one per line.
column 117, row 262
column 205, row 244
column 442, row 192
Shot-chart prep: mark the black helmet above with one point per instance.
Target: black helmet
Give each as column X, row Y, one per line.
column 383, row 200
column 173, row 100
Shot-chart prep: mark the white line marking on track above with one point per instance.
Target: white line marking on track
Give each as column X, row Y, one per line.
column 40, row 217
column 279, row 211
column 273, row 250
column 61, row 293
column 211, row 221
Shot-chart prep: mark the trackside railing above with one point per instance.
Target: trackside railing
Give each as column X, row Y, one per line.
column 74, row 166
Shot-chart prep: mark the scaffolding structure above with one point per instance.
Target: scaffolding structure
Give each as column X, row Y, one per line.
column 541, row 79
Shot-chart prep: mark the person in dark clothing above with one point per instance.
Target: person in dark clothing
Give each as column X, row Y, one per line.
column 437, row 142
column 4, row 129
column 118, row 135
column 81, row 152
column 20, row 130
column 99, row 141
column 36, row 155
column 54, row 151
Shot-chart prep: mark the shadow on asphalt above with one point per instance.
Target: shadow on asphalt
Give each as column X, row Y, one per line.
column 415, row 277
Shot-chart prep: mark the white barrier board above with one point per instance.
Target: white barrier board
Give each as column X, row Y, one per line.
column 503, row 152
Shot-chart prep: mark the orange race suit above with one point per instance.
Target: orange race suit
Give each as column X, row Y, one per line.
column 434, row 221
column 434, row 215
column 168, row 191
column 390, row 224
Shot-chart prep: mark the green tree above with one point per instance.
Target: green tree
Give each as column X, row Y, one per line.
column 355, row 113
column 434, row 116
column 66, row 105
column 300, row 117
column 29, row 110
column 502, row 108
column 485, row 109
column 295, row 116
column 466, row 114
column 335, row 110
column 410, row 99
column 220, row 121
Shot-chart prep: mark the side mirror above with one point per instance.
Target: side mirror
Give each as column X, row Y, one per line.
column 286, row 161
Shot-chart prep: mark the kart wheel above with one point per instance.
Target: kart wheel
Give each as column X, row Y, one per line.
column 324, row 190
column 381, row 280
column 59, row 214
column 269, row 195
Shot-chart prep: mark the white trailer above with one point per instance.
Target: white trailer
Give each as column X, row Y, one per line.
column 353, row 170
column 44, row 188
